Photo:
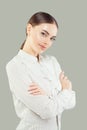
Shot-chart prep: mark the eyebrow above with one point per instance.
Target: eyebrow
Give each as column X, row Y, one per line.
column 47, row 33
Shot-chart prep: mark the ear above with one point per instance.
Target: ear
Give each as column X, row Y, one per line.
column 28, row 29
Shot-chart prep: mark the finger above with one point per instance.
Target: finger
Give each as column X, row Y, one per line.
column 34, row 91
column 32, row 88
column 61, row 76
column 38, row 93
column 66, row 77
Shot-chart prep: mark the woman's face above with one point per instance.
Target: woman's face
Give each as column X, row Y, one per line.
column 41, row 37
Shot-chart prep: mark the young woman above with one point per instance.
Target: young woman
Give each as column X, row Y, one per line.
column 40, row 89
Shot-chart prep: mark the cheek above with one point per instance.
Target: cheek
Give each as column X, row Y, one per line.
column 35, row 42
column 49, row 46
column 37, row 39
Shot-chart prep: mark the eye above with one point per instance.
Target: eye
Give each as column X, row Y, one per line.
column 43, row 34
column 53, row 39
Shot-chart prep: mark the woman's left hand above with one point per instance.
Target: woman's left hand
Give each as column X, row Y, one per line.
column 36, row 90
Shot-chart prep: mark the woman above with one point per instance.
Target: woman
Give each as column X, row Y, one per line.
column 40, row 90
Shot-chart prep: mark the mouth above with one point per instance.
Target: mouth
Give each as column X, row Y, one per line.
column 42, row 47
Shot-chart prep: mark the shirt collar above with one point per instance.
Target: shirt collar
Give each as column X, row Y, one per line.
column 28, row 56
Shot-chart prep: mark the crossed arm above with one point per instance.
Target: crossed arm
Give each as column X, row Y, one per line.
column 41, row 104
column 36, row 90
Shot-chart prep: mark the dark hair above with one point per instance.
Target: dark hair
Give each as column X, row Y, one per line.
column 39, row 18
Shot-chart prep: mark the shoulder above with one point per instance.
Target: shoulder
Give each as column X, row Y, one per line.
column 52, row 64
column 49, row 58
column 12, row 63
column 52, row 61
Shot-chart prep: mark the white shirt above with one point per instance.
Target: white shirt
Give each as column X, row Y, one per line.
column 38, row 112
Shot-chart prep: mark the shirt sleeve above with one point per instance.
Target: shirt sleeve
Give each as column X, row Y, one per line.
column 67, row 97
column 44, row 106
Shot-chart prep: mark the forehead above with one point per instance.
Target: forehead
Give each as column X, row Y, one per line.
column 50, row 28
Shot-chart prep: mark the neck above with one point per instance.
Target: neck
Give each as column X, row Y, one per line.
column 29, row 50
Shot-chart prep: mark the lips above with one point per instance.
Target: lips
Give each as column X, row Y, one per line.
column 42, row 46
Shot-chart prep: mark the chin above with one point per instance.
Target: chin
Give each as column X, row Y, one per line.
column 39, row 50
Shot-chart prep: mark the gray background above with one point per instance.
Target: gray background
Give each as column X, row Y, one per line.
column 69, row 48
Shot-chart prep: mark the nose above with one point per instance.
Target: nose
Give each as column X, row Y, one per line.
column 47, row 41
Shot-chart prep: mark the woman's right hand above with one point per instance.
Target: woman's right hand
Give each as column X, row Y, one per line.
column 35, row 89
column 65, row 82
